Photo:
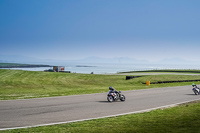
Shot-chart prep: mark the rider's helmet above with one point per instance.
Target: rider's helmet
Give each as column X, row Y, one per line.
column 110, row 88
column 193, row 84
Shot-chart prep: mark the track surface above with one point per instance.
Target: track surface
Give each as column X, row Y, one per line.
column 32, row 112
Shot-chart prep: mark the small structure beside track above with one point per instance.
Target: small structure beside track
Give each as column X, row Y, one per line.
column 57, row 69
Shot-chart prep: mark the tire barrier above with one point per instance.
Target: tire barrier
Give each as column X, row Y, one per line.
column 131, row 77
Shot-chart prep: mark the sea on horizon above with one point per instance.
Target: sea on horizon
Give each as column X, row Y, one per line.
column 105, row 68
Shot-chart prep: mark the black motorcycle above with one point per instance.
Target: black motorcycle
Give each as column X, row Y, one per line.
column 114, row 96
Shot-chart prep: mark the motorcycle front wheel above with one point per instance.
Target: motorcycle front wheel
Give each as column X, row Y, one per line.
column 110, row 99
column 122, row 98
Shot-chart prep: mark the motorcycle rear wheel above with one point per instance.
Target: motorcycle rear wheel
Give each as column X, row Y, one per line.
column 196, row 92
column 110, row 99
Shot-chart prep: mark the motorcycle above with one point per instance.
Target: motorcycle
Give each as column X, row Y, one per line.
column 196, row 89
column 114, row 96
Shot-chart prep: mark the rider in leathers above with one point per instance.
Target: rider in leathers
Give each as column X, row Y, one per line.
column 114, row 91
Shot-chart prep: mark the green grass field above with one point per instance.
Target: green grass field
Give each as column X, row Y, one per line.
column 18, row 84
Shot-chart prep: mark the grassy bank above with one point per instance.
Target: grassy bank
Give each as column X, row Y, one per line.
column 18, row 84
column 180, row 119
column 167, row 71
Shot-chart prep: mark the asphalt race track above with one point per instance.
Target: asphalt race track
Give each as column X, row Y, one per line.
column 56, row 110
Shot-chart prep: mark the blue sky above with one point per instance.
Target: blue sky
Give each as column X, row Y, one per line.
column 76, row 29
